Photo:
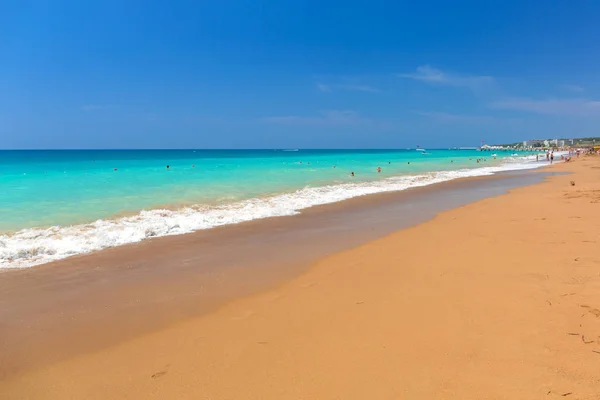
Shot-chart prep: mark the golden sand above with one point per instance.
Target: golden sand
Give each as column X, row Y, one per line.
column 499, row 299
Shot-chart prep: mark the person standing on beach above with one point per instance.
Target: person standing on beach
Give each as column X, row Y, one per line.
column 551, row 157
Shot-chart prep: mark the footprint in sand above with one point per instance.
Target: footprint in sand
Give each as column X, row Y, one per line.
column 592, row 310
column 161, row 373
column 594, row 195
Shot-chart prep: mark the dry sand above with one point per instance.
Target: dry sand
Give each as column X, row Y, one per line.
column 499, row 299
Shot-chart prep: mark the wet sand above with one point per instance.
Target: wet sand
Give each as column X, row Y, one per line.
column 495, row 299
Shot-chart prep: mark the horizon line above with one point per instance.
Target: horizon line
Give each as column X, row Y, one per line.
column 250, row 148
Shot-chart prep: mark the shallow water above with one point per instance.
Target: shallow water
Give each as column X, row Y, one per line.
column 58, row 203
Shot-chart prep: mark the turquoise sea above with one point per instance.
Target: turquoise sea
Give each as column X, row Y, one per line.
column 57, row 203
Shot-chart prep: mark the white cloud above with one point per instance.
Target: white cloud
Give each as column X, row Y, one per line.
column 433, row 76
column 574, row 107
column 572, row 88
column 332, row 117
column 458, row 118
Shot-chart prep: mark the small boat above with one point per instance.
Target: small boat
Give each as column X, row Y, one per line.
column 420, row 150
column 494, row 155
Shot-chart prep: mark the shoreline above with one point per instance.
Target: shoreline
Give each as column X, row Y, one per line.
column 32, row 247
column 507, row 306
column 197, row 272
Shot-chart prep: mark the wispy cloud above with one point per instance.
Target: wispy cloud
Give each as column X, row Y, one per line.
column 572, row 88
column 323, row 88
column 433, row 76
column 573, row 107
column 332, row 117
column 92, row 107
column 458, row 118
column 348, row 87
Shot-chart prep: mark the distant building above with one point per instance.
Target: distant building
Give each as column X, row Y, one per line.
column 543, row 143
column 534, row 143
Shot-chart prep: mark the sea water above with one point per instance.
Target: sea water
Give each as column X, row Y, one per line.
column 54, row 204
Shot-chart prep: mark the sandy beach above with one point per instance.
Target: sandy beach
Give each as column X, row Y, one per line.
column 496, row 299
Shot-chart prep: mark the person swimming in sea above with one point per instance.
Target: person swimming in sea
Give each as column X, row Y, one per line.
column 378, row 169
column 352, row 173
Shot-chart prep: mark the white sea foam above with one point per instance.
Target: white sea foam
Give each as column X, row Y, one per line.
column 30, row 247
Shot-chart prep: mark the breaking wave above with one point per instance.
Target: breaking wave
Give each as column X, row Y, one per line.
column 30, row 247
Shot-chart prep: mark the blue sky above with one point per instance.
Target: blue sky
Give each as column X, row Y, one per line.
column 310, row 74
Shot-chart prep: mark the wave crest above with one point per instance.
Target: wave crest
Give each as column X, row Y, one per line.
column 30, row 247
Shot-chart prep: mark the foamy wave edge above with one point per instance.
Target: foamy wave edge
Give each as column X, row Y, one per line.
column 31, row 247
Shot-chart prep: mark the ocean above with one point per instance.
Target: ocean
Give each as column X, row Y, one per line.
column 54, row 204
